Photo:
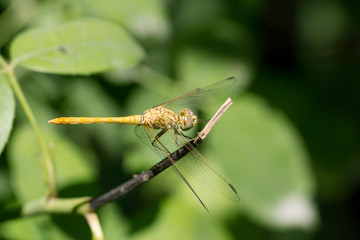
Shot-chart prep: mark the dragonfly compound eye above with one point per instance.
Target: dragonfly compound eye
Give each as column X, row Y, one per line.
column 194, row 120
column 187, row 119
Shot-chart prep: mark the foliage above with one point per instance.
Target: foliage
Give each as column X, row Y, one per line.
column 7, row 108
column 115, row 58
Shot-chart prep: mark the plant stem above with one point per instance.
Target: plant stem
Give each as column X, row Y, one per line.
column 94, row 223
column 47, row 161
column 43, row 205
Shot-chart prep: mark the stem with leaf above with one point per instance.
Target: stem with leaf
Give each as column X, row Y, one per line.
column 47, row 161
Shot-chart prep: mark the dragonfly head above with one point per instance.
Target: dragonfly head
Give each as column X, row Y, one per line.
column 188, row 119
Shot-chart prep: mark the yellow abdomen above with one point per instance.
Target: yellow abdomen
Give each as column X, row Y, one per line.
column 135, row 120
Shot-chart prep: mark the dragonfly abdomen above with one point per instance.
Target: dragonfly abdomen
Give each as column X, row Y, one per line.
column 134, row 120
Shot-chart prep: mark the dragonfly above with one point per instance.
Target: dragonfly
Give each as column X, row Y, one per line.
column 162, row 129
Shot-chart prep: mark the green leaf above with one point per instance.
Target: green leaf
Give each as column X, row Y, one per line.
column 72, row 166
column 265, row 159
column 143, row 18
column 7, row 108
column 80, row 47
column 32, row 228
column 114, row 225
column 199, row 68
column 87, row 98
column 198, row 223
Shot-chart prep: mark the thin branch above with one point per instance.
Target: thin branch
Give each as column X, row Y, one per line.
column 203, row 134
column 47, row 160
column 95, row 227
column 45, row 205
column 142, row 178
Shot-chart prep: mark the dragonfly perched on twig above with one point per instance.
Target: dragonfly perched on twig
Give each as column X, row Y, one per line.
column 162, row 129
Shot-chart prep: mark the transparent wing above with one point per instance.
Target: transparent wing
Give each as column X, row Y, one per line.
column 147, row 136
column 193, row 165
column 199, row 168
column 198, row 94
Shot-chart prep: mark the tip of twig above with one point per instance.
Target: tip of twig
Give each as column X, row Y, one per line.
column 202, row 135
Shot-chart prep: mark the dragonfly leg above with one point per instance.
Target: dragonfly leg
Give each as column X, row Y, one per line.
column 175, row 137
column 187, row 137
column 156, row 140
column 177, row 133
column 157, row 144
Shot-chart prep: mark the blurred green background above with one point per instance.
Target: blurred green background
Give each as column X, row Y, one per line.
column 289, row 143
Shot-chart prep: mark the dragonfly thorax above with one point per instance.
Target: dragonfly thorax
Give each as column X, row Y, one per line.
column 187, row 119
column 163, row 118
column 160, row 118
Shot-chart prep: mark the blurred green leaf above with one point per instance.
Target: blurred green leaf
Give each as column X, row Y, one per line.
column 5, row 187
column 321, row 25
column 16, row 15
column 199, row 68
column 7, row 109
column 195, row 16
column 25, row 165
column 86, row 98
column 80, row 47
column 32, row 228
column 142, row 18
column 113, row 224
column 191, row 222
column 265, row 159
column 72, row 166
